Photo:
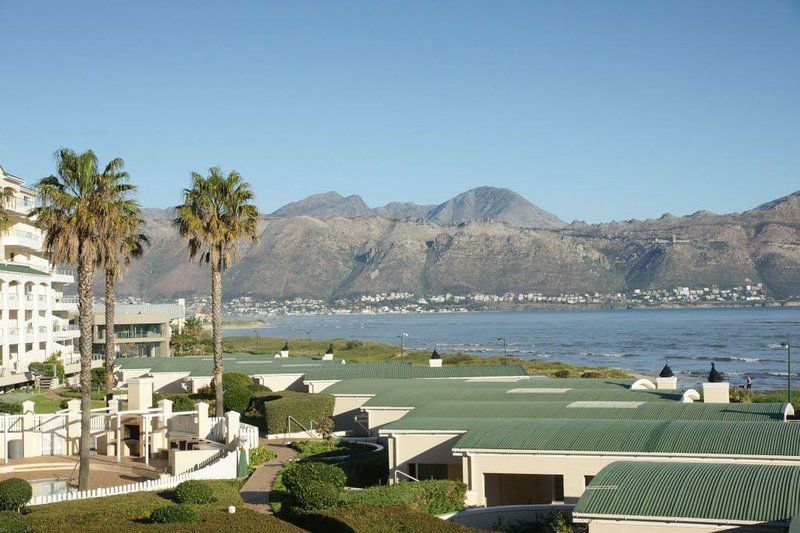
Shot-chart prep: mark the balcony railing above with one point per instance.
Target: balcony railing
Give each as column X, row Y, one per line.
column 19, row 204
column 63, row 271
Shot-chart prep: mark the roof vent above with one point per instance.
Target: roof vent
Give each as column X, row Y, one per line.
column 666, row 372
column 714, row 376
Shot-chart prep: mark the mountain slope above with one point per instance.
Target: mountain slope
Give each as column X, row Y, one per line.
column 335, row 257
column 492, row 203
column 325, row 205
column 403, row 210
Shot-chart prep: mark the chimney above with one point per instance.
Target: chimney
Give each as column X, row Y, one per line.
column 285, row 350
column 140, row 393
column 328, row 354
column 436, row 360
column 666, row 380
column 716, row 390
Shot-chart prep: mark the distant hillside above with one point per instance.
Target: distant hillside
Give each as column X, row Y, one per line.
column 325, row 205
column 403, row 210
column 491, row 203
column 336, row 256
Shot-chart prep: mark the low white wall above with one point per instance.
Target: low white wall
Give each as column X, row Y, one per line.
column 181, row 461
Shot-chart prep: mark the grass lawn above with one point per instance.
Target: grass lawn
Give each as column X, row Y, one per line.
column 130, row 512
column 376, row 352
column 44, row 403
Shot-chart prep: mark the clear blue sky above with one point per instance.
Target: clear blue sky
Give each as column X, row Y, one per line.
column 593, row 110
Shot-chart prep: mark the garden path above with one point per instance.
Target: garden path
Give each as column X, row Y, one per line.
column 255, row 491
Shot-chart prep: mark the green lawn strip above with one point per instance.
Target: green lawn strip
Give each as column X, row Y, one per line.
column 357, row 351
column 131, row 511
column 368, row 519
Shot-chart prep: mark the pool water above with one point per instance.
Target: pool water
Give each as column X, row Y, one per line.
column 48, row 487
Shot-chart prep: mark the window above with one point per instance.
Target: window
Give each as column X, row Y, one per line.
column 558, row 488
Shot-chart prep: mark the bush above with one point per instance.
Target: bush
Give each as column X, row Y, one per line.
column 301, row 406
column 99, row 379
column 325, row 428
column 194, row 491
column 171, row 514
column 258, row 388
column 592, row 374
column 315, row 495
column 52, row 367
column 14, row 494
column 563, row 373
column 237, row 399
column 11, row 407
column 258, row 456
column 376, row 520
column 432, row 496
column 234, row 380
column 13, row 522
column 299, row 474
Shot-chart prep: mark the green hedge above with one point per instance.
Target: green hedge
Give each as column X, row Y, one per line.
column 303, row 407
column 13, row 522
column 258, row 456
column 172, row 514
column 194, row 491
column 432, row 496
column 237, row 399
column 14, row 494
column 375, row 520
column 297, row 474
column 11, row 407
column 314, row 495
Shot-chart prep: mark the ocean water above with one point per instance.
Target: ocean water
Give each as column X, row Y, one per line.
column 742, row 342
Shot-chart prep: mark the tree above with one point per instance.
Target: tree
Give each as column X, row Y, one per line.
column 217, row 212
column 193, row 326
column 71, row 215
column 121, row 241
column 5, row 219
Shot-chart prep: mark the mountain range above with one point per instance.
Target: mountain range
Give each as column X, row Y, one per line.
column 485, row 240
column 481, row 203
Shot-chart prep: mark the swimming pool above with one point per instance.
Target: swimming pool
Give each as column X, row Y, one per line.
column 48, row 487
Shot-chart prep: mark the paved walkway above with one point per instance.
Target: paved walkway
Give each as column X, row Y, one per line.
column 255, row 492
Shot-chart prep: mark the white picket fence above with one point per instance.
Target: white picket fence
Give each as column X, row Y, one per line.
column 217, row 431
column 213, row 468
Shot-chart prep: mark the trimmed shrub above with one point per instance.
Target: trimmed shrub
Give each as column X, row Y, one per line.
column 325, row 428
column 13, row 522
column 172, row 514
column 432, row 496
column 234, row 380
column 10, row 407
column 257, row 388
column 194, row 491
column 237, row 399
column 14, row 494
column 376, row 520
column 299, row 474
column 258, row 456
column 301, row 406
column 314, row 495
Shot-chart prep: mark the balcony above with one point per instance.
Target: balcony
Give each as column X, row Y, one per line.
column 66, row 332
column 63, row 275
column 24, row 239
column 65, row 303
column 19, row 204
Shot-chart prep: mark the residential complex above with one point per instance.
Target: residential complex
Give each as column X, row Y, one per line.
column 37, row 317
column 142, row 330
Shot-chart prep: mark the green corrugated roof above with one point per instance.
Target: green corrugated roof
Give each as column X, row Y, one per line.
column 407, row 371
column 623, row 436
column 643, row 411
column 424, row 394
column 249, row 364
column 21, row 269
column 312, row 369
column 700, row 491
column 374, row 386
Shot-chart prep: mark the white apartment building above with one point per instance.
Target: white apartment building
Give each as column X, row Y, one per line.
column 37, row 320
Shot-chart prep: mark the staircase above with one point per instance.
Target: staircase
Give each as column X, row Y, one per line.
column 47, row 382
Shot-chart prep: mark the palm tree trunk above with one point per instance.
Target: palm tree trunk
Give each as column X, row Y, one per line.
column 85, row 275
column 111, row 303
column 216, row 324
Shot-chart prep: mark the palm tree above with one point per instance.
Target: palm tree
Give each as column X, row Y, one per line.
column 121, row 242
column 71, row 215
column 217, row 212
